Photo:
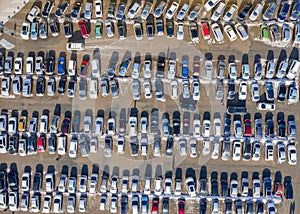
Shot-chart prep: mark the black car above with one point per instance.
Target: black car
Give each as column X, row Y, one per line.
column 247, row 150
column 270, row 128
column 13, row 180
column 281, row 92
column 62, row 85
column 160, row 67
column 203, row 205
column 76, row 10
column 165, row 205
column 259, row 207
column 122, row 29
column 31, row 146
column 61, row 9
column 150, row 29
column 170, row 28
column 50, row 65
column 124, row 204
column 249, row 206
column 37, row 181
column 176, row 126
column 13, row 145
column 134, row 148
column 72, row 86
column 169, row 146
column 231, row 90
column 228, row 206
column 227, row 126
column 281, row 126
column 214, row 187
column 52, row 144
column 3, row 180
column 68, row 30
column 40, row 86
column 47, row 8
column 224, row 187
column 288, row 190
column 244, row 12
column 1, row 63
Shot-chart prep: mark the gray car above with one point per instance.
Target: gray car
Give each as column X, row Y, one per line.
column 219, row 89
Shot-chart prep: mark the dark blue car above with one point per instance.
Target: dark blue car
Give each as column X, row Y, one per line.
column 285, row 6
column 295, row 12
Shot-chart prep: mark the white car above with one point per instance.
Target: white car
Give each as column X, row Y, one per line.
column 217, row 32
column 72, row 185
column 49, row 180
column 182, row 147
column 44, row 124
column 292, row 154
column 281, row 154
column 255, row 92
column 146, row 10
column 47, row 203
column 157, row 186
column 103, row 202
column 82, row 184
column 120, row 145
column 172, row 10
column 144, row 145
column 196, row 90
column 111, row 126
column 82, row 204
column 245, row 71
column 93, row 183
column 210, row 4
column 62, row 183
column 182, row 12
column 237, row 128
column 243, row 90
column 33, row 13
column 16, row 84
column 282, row 68
column 73, row 149
column 230, row 13
column 180, row 31
column 194, row 13
column 57, row 203
column 29, row 65
column 215, row 149
column 269, row 151
column 174, row 89
column 39, row 65
column 25, row 184
column 18, row 65
column 270, row 69
column 136, row 89
column 147, row 69
column 99, row 125
column 217, row 127
column 168, row 186
column 98, row 8
column 171, row 69
column 114, row 184
column 232, row 70
column 133, row 10
column 256, row 12
column 230, row 33
column 25, row 31
column 256, row 188
column 147, row 89
column 265, row 106
column 241, row 31
column 206, row 128
column 190, row 183
column 256, row 151
column 218, row 12
column 196, row 128
column 193, row 148
column 236, row 151
column 234, row 188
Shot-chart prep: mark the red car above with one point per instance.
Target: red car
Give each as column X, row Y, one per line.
column 84, row 28
column 84, row 68
column 65, row 127
column 248, row 129
column 278, row 190
column 41, row 144
column 155, row 203
column 181, row 203
column 205, row 30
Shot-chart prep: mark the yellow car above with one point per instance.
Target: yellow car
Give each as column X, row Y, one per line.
column 22, row 124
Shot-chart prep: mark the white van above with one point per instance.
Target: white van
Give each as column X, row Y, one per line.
column 294, row 69
column 95, row 68
column 71, row 46
column 93, row 89
column 72, row 68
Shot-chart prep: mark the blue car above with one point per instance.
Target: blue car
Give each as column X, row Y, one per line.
column 285, row 7
column 295, row 12
column 270, row 11
column 61, row 66
column 185, row 70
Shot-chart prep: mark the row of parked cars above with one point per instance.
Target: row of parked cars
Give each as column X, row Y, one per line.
column 135, row 125
column 141, row 190
column 39, row 65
